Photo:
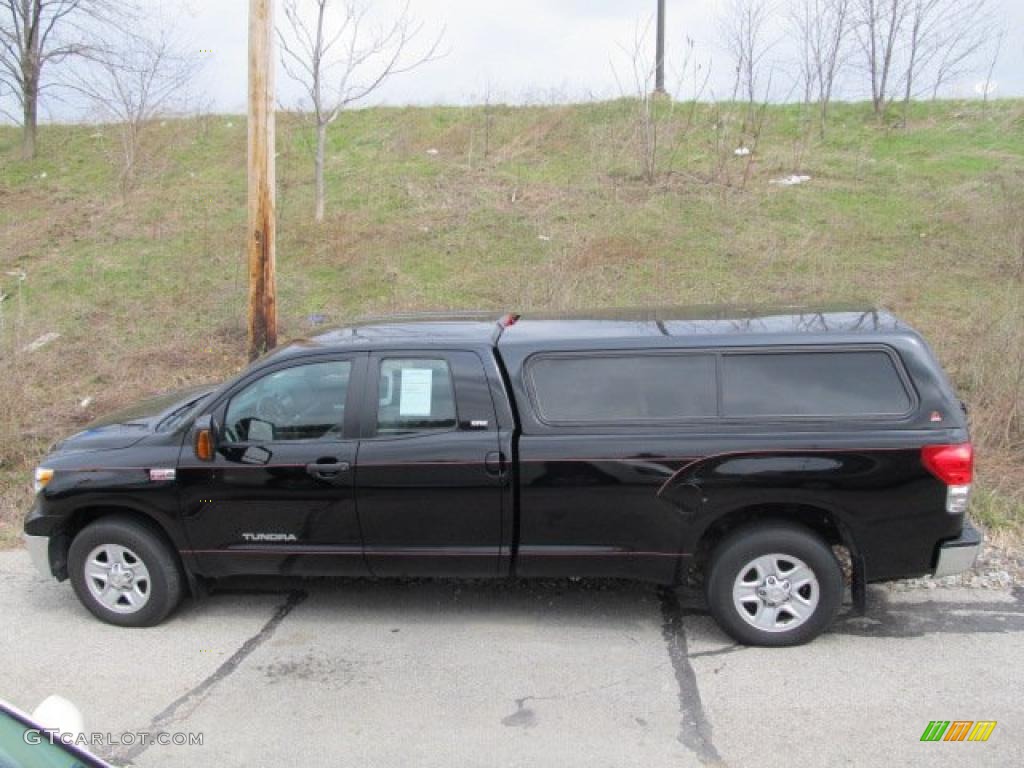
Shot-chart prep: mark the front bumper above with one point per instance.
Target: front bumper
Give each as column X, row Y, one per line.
column 959, row 554
column 39, row 550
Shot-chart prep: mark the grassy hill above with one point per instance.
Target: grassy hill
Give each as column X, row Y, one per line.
column 518, row 208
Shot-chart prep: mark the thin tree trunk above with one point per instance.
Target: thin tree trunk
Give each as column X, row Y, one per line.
column 30, row 119
column 321, row 140
column 31, row 64
column 129, row 146
column 890, row 46
column 914, row 42
column 873, row 56
column 825, row 96
column 910, row 83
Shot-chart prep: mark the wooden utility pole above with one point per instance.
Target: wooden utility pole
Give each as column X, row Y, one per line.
column 659, row 56
column 262, row 231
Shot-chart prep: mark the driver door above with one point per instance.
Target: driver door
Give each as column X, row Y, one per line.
column 279, row 495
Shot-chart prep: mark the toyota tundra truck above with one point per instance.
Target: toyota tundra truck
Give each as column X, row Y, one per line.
column 742, row 447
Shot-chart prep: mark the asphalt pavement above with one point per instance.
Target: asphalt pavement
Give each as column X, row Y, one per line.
column 580, row 673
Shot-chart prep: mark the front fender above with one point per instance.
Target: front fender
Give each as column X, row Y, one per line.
column 122, row 490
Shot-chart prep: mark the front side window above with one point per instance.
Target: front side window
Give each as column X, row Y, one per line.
column 415, row 395
column 624, row 388
column 305, row 402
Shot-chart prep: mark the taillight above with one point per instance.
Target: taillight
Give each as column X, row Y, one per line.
column 953, row 465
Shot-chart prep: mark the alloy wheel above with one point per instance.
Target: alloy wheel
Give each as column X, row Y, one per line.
column 118, row 578
column 775, row 592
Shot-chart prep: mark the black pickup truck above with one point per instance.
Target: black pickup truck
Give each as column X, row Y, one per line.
column 743, row 446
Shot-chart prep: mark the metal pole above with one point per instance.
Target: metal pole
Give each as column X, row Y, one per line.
column 659, row 59
column 261, row 236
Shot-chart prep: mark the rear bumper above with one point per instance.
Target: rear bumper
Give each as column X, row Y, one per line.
column 39, row 550
column 959, row 554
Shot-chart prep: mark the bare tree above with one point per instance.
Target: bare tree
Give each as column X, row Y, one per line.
column 131, row 85
column 743, row 26
column 907, row 42
column 340, row 59
column 921, row 28
column 643, row 73
column 945, row 38
column 655, row 123
column 879, row 26
column 822, row 27
column 986, row 85
column 36, row 33
column 801, row 20
column 966, row 29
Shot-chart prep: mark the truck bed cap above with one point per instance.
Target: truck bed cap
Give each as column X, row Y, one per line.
column 717, row 320
column 512, row 329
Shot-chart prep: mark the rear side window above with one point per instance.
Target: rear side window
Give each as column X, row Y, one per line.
column 803, row 384
column 415, row 395
column 624, row 388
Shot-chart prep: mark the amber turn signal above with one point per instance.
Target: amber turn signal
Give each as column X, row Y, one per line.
column 204, row 445
column 43, row 476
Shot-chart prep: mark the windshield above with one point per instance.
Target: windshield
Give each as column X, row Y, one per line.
column 183, row 414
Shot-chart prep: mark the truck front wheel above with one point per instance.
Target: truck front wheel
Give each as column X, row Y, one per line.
column 773, row 584
column 124, row 573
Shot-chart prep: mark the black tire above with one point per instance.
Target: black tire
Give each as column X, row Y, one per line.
column 737, row 551
column 164, row 585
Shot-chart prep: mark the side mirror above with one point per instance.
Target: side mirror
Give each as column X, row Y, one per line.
column 204, row 438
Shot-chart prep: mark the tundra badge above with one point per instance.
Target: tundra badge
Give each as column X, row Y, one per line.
column 269, row 537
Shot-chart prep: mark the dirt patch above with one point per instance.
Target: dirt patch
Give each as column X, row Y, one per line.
column 616, row 250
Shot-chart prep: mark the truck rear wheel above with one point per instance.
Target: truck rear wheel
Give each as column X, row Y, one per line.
column 124, row 573
column 773, row 584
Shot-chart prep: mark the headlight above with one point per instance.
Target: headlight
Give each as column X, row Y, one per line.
column 42, row 478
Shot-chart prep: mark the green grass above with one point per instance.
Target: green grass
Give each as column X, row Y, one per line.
column 997, row 511
column 519, row 208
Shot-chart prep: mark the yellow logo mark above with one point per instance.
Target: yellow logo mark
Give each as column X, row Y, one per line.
column 982, row 730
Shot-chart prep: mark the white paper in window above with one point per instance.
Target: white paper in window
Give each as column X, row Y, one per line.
column 414, row 395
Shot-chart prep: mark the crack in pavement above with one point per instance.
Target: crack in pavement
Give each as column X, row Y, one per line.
column 734, row 648
column 195, row 696
column 526, row 717
column 694, row 726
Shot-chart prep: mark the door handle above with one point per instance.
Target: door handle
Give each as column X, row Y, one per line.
column 331, row 471
column 495, row 463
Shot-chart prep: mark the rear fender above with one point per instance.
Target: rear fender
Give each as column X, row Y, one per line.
column 716, row 486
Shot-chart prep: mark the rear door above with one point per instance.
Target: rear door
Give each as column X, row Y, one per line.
column 429, row 475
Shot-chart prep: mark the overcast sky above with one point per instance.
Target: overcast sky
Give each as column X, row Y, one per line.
column 524, row 50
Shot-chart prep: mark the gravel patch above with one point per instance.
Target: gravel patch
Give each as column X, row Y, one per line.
column 997, row 568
